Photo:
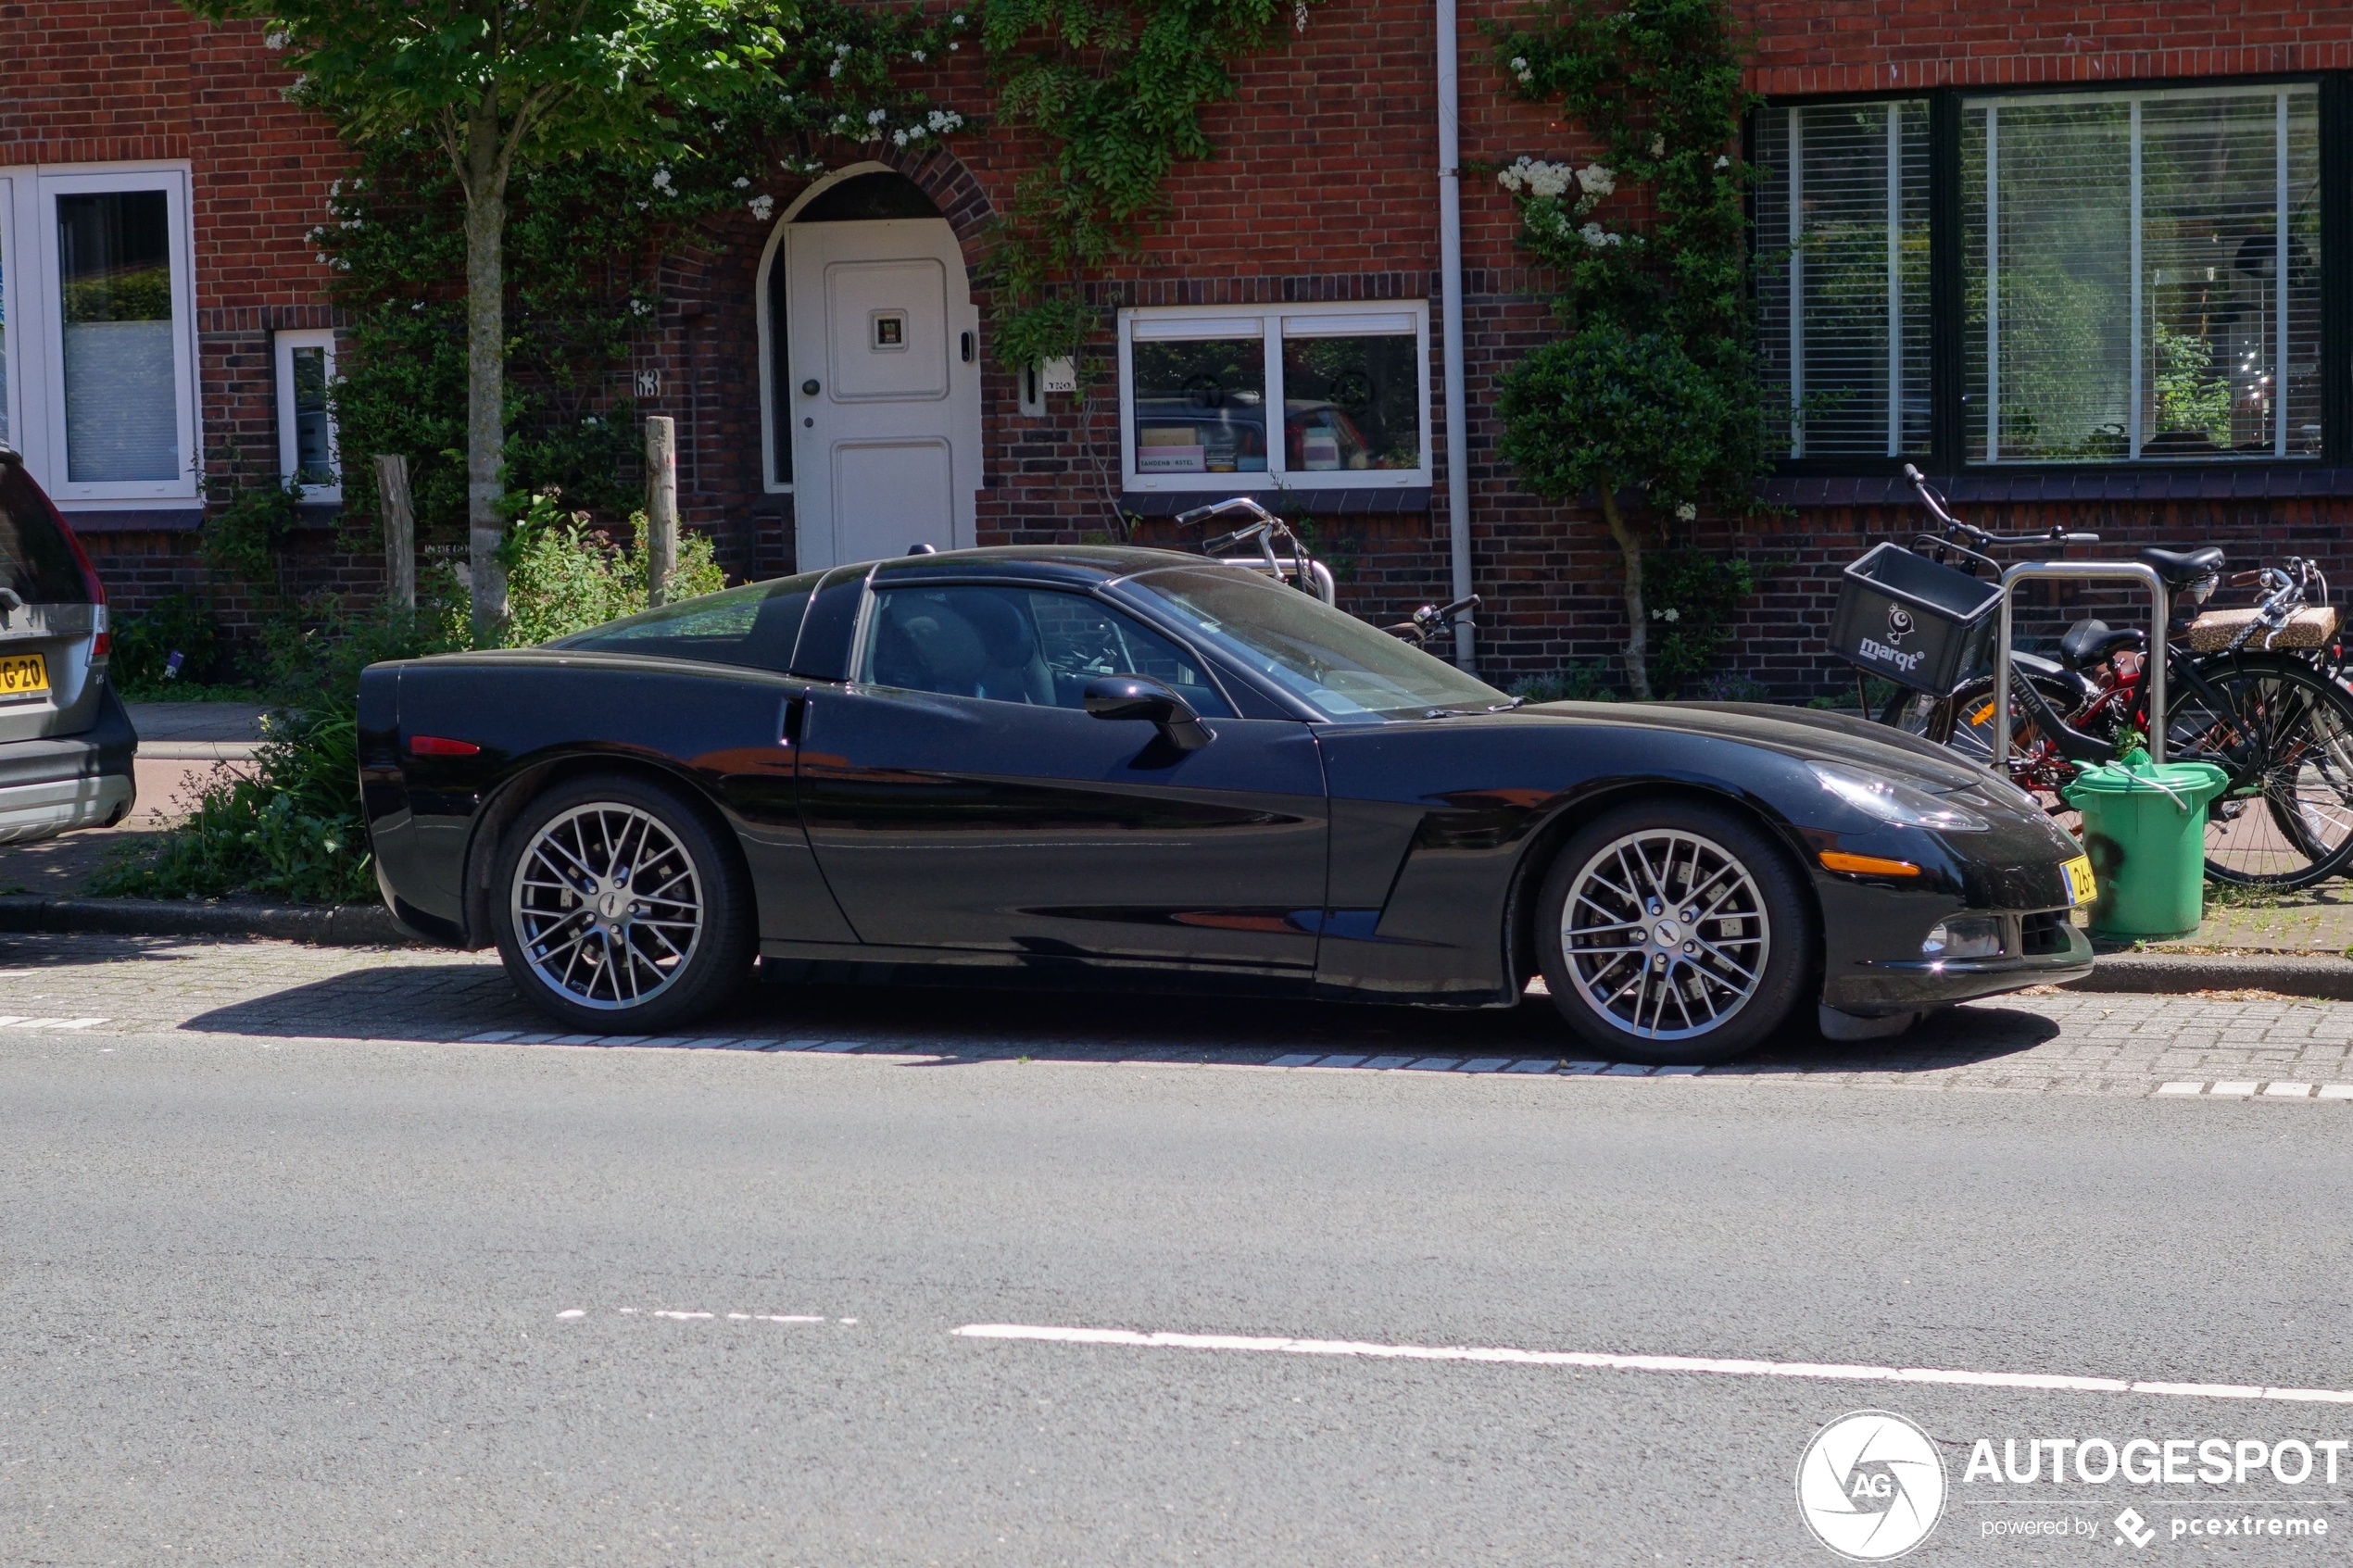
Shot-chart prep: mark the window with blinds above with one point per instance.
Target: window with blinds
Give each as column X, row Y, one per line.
column 1843, row 232
column 2142, row 275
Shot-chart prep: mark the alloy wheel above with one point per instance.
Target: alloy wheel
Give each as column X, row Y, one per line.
column 1665, row 935
column 607, row 904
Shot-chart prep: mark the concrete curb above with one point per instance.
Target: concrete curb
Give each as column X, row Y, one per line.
column 2175, row 975
column 346, row 925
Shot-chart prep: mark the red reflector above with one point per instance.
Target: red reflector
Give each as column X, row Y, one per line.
column 438, row 746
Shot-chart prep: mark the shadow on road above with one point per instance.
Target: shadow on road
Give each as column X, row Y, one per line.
column 450, row 1001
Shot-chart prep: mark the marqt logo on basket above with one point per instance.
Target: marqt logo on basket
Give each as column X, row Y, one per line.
column 1870, row 1485
column 1879, row 653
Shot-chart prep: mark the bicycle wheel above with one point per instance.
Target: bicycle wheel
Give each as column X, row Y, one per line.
column 1965, row 723
column 2284, row 735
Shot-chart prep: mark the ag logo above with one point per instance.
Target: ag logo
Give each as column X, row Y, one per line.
column 1870, row 1485
column 1899, row 623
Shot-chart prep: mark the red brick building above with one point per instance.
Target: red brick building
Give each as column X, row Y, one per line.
column 2084, row 262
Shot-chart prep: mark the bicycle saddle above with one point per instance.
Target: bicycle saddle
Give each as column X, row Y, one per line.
column 2088, row 642
column 2182, row 568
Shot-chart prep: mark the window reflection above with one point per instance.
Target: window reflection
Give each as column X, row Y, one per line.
column 1352, row 403
column 1201, row 406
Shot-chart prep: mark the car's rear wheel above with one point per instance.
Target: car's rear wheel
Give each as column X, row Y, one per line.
column 1673, row 933
column 619, row 908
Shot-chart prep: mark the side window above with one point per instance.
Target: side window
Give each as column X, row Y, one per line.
column 753, row 626
column 1020, row 645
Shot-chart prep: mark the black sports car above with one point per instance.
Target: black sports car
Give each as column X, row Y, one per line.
column 1084, row 766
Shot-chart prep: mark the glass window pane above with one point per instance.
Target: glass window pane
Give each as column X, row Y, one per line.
column 755, row 625
column 314, row 443
column 1352, row 403
column 2123, row 259
column 1018, row 645
column 114, row 266
column 2049, row 279
column 1337, row 664
column 2209, row 258
column 1201, row 406
column 1843, row 217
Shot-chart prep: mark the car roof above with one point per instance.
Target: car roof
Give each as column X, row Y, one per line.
column 1069, row 565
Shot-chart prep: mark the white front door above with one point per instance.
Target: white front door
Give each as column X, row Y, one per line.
column 885, row 393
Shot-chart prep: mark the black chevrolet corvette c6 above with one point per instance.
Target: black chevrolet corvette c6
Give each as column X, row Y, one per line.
column 1088, row 766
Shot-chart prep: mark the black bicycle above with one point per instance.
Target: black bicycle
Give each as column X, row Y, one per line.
column 2250, row 690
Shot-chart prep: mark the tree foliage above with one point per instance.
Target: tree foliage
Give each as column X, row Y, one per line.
column 1654, row 387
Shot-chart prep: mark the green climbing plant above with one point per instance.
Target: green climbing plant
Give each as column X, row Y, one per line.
column 1651, row 393
column 1117, row 92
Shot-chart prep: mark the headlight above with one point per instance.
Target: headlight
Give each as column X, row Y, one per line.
column 1964, row 937
column 1897, row 803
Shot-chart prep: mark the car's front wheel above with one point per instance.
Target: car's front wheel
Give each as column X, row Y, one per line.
column 619, row 908
column 1673, row 933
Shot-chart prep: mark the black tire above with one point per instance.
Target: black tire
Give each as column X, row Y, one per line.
column 1760, row 936
column 2284, row 732
column 654, row 948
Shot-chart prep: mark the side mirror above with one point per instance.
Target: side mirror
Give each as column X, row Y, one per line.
column 1140, row 697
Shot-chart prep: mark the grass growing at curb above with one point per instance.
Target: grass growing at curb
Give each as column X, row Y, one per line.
column 290, row 830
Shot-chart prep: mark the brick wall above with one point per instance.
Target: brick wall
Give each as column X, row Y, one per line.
column 1324, row 187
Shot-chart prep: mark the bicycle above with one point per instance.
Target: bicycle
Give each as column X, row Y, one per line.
column 1300, row 570
column 2269, row 712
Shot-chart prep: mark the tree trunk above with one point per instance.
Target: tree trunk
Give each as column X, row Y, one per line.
column 1638, row 638
column 485, row 366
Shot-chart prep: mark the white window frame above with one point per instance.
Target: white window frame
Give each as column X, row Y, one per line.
column 283, row 344
column 1272, row 324
column 13, row 338
column 35, row 361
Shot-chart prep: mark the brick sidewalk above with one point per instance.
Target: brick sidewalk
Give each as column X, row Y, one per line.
column 2054, row 1043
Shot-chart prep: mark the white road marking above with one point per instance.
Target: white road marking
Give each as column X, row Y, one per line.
column 2287, row 1091
column 1436, row 1064
column 2232, row 1089
column 1722, row 1366
column 2180, row 1088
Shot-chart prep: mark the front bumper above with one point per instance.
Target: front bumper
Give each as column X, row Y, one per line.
column 1879, row 987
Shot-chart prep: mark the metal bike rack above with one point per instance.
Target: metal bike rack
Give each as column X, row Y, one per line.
column 2153, row 659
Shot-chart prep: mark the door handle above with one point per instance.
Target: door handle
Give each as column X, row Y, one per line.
column 796, row 714
column 968, row 348
column 809, row 387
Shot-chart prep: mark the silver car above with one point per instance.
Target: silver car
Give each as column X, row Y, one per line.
column 66, row 742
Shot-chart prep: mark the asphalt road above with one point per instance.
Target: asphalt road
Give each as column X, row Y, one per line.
column 277, row 1298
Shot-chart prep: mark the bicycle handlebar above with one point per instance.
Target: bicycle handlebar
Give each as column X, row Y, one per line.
column 1936, row 505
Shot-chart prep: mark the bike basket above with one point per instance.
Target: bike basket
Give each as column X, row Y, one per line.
column 1919, row 624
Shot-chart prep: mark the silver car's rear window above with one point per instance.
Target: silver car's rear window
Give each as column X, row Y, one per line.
column 35, row 560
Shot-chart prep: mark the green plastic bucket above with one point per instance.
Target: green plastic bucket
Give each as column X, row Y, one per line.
column 2145, row 829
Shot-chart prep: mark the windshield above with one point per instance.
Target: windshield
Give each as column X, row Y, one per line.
column 1335, row 663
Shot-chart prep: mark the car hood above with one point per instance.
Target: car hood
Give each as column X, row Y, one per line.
column 1804, row 734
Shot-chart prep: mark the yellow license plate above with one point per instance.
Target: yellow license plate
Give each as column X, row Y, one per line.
column 2081, row 888
column 23, row 675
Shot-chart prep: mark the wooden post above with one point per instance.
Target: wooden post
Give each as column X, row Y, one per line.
column 400, row 530
column 661, row 506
